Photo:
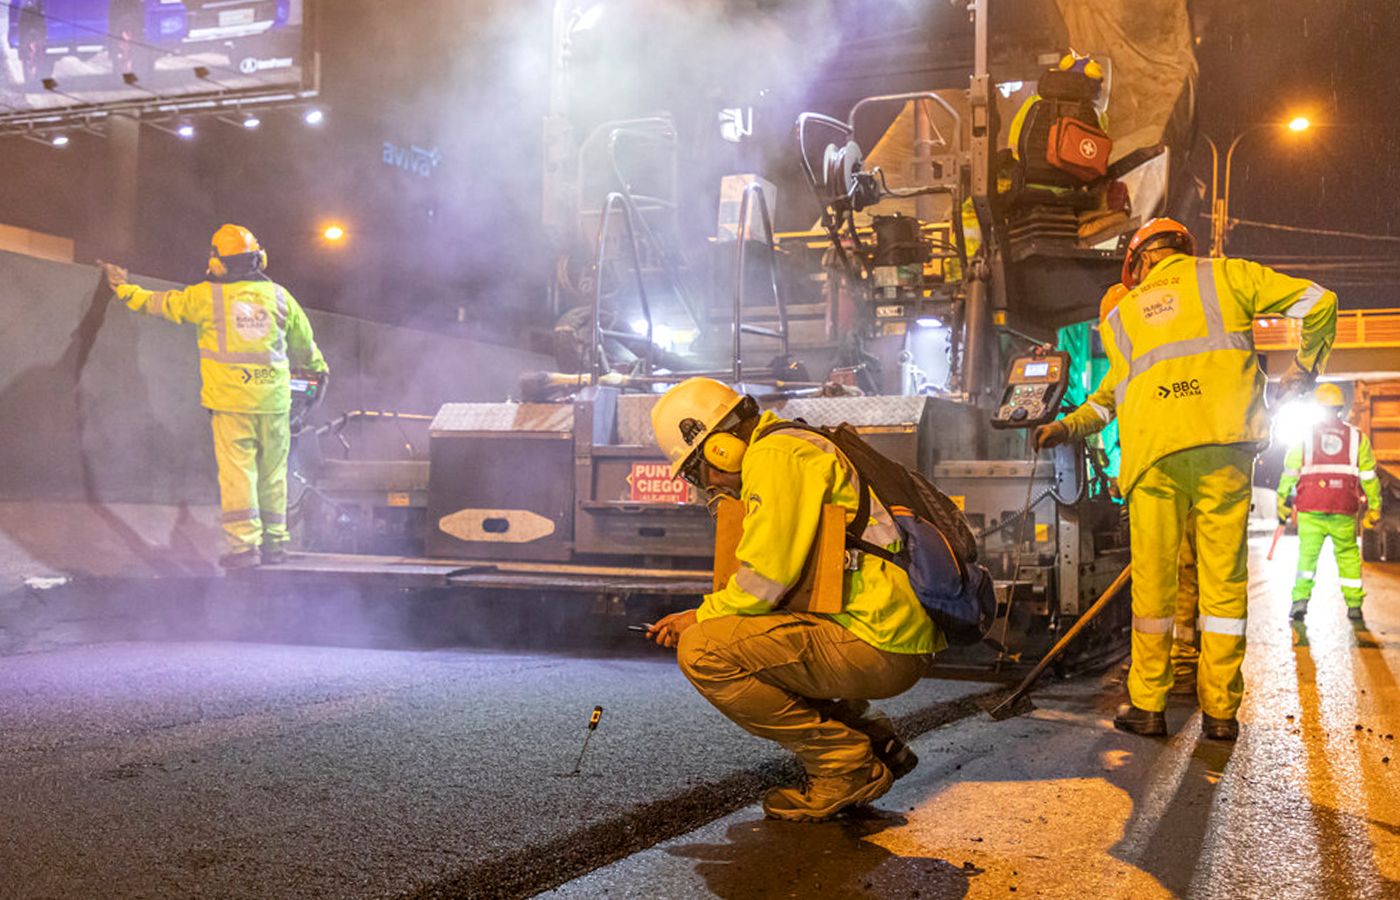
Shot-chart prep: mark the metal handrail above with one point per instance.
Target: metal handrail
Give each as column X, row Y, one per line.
column 741, row 235
column 616, row 199
column 916, row 95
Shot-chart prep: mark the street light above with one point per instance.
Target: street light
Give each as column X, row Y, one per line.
column 1220, row 201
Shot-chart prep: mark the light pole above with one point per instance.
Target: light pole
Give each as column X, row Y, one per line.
column 1220, row 200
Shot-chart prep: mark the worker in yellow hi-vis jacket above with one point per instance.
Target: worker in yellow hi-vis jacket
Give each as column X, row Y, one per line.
column 1186, row 387
column 251, row 332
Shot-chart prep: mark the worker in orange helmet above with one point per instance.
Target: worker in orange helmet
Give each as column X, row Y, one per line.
column 1188, row 393
column 251, row 332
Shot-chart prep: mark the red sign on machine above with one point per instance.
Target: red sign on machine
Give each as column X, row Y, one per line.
column 652, row 483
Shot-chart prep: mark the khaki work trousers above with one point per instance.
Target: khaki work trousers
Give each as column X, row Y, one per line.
column 774, row 676
column 252, row 450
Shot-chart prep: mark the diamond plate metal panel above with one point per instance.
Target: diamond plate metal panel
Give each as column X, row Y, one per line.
column 858, row 411
column 634, row 419
column 476, row 418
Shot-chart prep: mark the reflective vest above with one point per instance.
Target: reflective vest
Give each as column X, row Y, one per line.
column 1184, row 371
column 1330, row 477
column 250, row 333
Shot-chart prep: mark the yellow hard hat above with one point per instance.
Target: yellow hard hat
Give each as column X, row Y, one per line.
column 232, row 240
column 1329, row 394
column 687, row 414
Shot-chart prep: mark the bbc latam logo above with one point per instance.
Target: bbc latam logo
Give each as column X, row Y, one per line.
column 251, row 65
column 1178, row 389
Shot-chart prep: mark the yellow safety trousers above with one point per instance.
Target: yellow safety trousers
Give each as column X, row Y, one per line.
column 1185, row 654
column 251, row 449
column 1214, row 480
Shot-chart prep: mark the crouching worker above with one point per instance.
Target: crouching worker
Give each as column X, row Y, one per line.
column 251, row 331
column 803, row 680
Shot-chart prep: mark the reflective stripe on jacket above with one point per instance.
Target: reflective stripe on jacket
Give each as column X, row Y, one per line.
column 1330, row 475
column 250, row 332
column 787, row 477
column 1182, row 370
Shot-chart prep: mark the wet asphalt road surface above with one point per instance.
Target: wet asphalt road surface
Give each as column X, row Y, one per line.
column 227, row 770
column 1057, row 804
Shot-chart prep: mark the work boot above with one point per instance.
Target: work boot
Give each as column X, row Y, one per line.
column 826, row 795
column 1140, row 721
column 1300, row 609
column 1354, row 613
column 243, row 559
column 889, row 749
column 272, row 554
column 1184, row 682
column 1220, row 729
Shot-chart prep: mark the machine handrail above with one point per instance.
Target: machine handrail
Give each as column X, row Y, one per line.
column 915, row 95
column 741, row 236
column 616, row 199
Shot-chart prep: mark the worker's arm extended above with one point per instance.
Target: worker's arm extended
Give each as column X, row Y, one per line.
column 1275, row 294
column 182, row 305
column 1370, row 484
column 783, row 496
column 1096, row 412
column 301, row 344
column 1292, row 470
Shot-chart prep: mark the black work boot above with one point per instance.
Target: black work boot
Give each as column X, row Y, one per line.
column 272, row 554
column 243, row 559
column 1354, row 613
column 1140, row 721
column 1298, row 610
column 1220, row 729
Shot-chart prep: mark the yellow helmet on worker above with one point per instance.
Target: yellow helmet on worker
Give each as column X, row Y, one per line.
column 688, row 414
column 1329, row 394
column 234, row 242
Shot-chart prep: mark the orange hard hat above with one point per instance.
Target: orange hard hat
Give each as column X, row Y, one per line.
column 1111, row 298
column 1153, row 232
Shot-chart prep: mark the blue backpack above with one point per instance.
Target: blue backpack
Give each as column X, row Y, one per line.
column 939, row 551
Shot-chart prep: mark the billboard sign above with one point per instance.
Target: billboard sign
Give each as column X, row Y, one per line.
column 62, row 54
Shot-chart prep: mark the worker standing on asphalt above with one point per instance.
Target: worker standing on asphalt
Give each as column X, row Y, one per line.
column 251, row 331
column 1186, row 654
column 801, row 679
column 1189, row 396
column 1330, row 469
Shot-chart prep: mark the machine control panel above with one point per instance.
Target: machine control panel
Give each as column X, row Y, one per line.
column 1035, row 385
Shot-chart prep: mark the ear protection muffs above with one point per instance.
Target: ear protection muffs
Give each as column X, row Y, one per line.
column 725, row 451
column 219, row 269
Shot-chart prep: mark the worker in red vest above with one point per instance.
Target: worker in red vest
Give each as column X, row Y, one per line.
column 1331, row 469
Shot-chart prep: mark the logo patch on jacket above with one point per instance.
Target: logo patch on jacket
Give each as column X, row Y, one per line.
column 1159, row 308
column 1331, row 444
column 1178, row 389
column 252, row 322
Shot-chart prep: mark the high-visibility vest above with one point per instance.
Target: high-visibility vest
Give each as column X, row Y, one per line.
column 1330, row 478
column 1181, row 344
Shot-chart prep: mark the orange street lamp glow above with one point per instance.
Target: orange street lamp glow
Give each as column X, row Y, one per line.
column 1299, row 123
column 334, row 233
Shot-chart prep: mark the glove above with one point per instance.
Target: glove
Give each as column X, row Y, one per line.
column 1052, row 435
column 1285, row 511
column 1295, row 382
column 116, row 276
column 1373, row 518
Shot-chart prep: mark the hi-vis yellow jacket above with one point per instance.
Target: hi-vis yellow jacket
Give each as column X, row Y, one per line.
column 787, row 478
column 249, row 334
column 1183, row 372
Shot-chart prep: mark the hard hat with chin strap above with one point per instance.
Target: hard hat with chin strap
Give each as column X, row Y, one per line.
column 1329, row 394
column 230, row 241
column 688, row 418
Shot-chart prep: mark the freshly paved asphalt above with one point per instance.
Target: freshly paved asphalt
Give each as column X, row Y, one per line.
column 1057, row 804
column 228, row 770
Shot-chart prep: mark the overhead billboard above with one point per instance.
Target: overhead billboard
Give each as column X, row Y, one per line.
column 59, row 54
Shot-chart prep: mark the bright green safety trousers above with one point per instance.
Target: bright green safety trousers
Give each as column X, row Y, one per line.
column 1215, row 481
column 1313, row 529
column 252, row 449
